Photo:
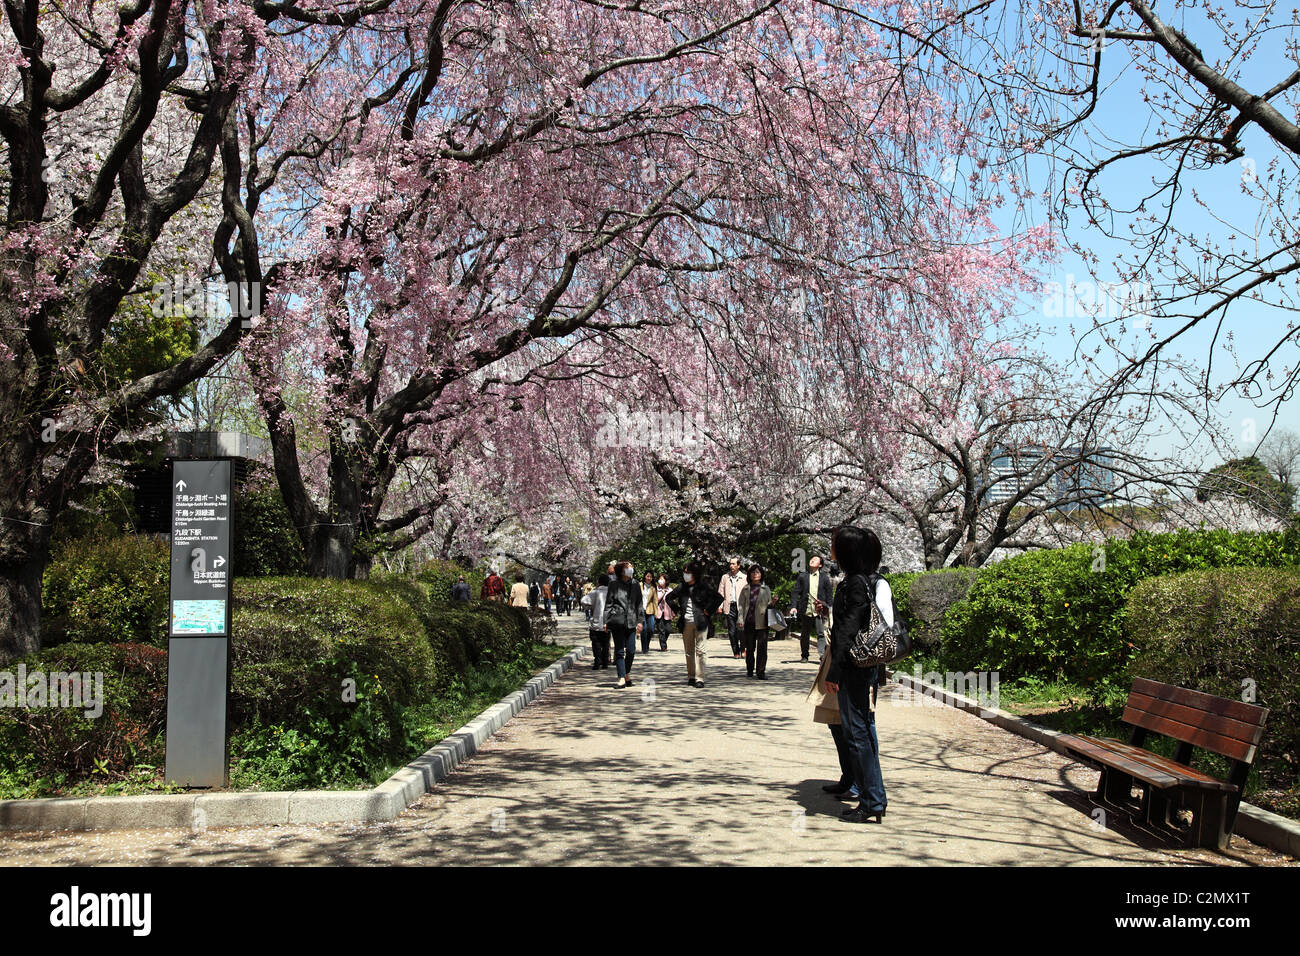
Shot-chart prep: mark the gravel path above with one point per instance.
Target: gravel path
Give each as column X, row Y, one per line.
column 663, row 773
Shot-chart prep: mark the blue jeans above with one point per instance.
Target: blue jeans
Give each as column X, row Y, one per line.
column 647, row 632
column 624, row 647
column 859, row 726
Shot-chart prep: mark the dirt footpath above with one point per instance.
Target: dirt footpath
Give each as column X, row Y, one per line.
column 666, row 774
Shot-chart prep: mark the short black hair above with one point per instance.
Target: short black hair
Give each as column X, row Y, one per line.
column 857, row 549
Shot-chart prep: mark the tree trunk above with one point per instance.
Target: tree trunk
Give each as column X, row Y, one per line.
column 330, row 554
column 24, row 552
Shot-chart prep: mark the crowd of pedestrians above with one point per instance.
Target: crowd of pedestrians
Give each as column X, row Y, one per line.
column 834, row 602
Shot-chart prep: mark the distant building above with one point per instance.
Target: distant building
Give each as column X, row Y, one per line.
column 1088, row 482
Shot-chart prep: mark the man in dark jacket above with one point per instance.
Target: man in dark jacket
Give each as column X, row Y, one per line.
column 812, row 600
column 703, row 599
column 460, row 590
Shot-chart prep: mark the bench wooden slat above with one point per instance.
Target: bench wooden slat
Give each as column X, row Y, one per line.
column 1087, row 749
column 1235, row 709
column 1191, row 734
column 1197, row 736
column 1187, row 776
column 1243, row 731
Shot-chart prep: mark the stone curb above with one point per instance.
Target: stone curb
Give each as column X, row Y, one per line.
column 1254, row 823
column 199, row 810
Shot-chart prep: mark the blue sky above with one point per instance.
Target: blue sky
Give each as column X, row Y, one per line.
column 1123, row 118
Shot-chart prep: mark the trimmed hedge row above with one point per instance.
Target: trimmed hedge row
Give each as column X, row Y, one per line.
column 111, row 590
column 1233, row 633
column 1059, row 614
column 440, row 575
column 325, row 676
column 50, row 741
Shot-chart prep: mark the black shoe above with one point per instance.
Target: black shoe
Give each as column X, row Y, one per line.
column 629, row 682
column 595, row 665
column 858, row 815
column 691, row 681
column 760, row 677
column 836, row 788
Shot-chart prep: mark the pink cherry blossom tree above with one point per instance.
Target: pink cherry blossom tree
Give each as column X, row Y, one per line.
column 545, row 189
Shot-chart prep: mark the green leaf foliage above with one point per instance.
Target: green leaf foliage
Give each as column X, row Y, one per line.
column 1234, row 633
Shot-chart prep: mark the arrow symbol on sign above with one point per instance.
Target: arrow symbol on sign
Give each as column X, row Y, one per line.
column 220, row 560
column 180, row 485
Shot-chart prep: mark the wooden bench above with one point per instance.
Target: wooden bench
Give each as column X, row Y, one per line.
column 1226, row 727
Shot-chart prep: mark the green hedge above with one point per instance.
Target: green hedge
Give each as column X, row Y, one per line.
column 923, row 599
column 440, row 575
column 295, row 640
column 61, row 742
column 328, row 677
column 1058, row 614
column 111, row 590
column 1229, row 633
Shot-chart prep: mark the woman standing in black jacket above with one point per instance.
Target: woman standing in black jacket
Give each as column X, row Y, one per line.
column 858, row 551
column 694, row 601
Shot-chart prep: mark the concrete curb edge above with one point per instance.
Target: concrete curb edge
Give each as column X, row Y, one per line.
column 1254, row 823
column 199, row 810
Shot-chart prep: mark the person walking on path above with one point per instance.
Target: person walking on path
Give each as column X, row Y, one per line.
column 460, row 590
column 663, row 613
column 694, row 602
column 519, row 593
column 650, row 609
column 587, row 588
column 494, row 588
column 729, row 587
column 812, row 600
column 623, row 611
column 858, row 552
column 593, row 602
column 534, row 595
column 755, row 596
column 546, row 595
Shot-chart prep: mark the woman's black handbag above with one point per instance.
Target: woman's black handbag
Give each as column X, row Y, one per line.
column 879, row 643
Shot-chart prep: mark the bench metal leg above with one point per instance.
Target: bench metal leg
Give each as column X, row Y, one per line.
column 1114, row 787
column 1155, row 808
column 1209, row 828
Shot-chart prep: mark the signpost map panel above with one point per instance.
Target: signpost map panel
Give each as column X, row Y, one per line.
column 200, row 578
